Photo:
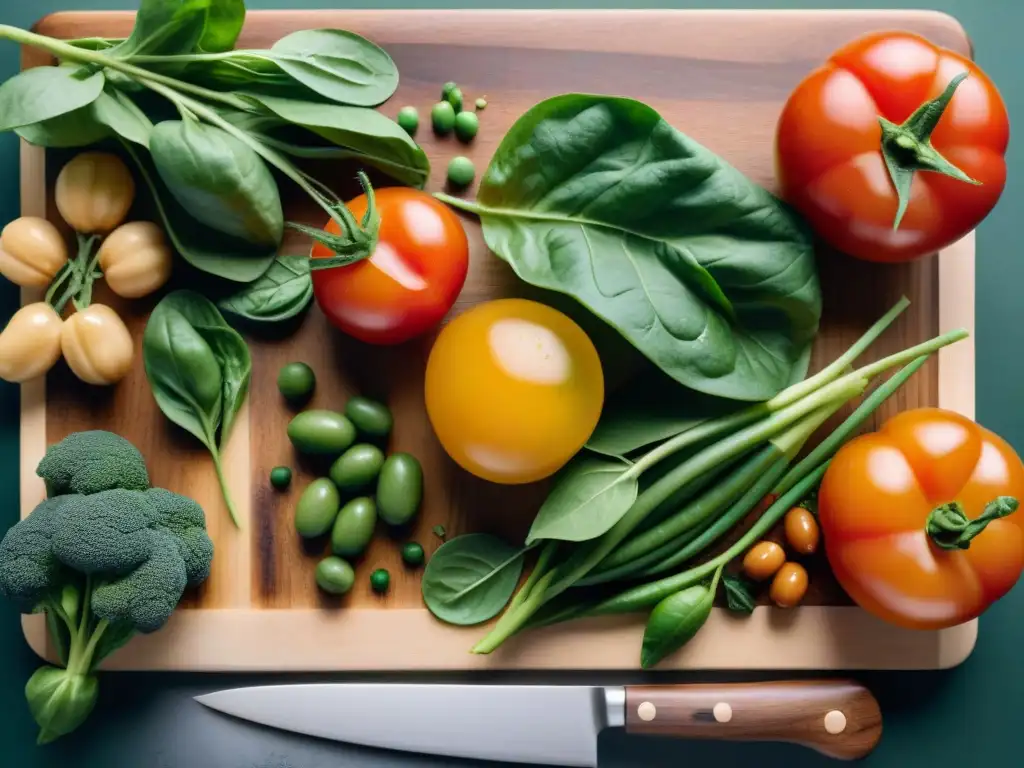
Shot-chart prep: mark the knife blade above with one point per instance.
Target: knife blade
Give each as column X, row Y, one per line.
column 559, row 724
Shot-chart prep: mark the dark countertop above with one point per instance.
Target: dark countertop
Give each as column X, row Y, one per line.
column 935, row 719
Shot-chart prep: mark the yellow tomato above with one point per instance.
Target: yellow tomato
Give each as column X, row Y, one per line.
column 513, row 389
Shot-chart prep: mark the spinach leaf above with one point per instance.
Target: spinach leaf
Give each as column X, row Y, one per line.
column 228, row 347
column 470, row 578
column 376, row 139
column 164, row 27
column 183, row 374
column 313, row 64
column 219, row 180
column 704, row 272
column 224, row 20
column 205, row 249
column 280, row 293
column 42, row 93
column 116, row 110
column 649, row 410
column 674, row 622
column 590, row 495
column 198, row 369
column 739, row 594
column 78, row 128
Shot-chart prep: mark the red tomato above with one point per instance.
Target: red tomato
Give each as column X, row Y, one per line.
column 829, row 141
column 411, row 280
column 878, row 496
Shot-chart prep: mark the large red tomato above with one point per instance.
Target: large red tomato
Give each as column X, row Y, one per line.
column 885, row 118
column 412, row 278
column 919, row 519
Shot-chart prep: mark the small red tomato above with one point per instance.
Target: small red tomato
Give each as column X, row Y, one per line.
column 894, row 148
column 411, row 280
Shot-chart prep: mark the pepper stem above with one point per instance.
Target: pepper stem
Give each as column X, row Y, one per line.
column 949, row 528
column 907, row 148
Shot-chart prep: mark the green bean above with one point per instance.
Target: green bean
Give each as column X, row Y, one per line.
column 442, row 117
column 461, row 171
column 466, row 126
column 694, row 513
column 408, row 119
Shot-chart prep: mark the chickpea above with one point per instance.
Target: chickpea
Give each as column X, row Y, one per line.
column 97, row 345
column 789, row 585
column 802, row 531
column 763, row 560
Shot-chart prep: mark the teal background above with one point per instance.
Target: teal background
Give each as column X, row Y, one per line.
column 938, row 719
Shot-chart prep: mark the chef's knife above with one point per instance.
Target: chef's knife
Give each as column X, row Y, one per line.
column 559, row 725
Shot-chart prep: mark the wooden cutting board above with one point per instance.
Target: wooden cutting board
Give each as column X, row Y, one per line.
column 720, row 77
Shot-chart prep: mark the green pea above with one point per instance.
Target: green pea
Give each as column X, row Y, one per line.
column 455, row 98
column 317, row 508
column 412, row 554
column 380, row 580
column 280, row 477
column 409, row 119
column 371, row 418
column 442, row 117
column 399, row 488
column 321, row 432
column 461, row 171
column 357, row 467
column 447, row 88
column 296, row 381
column 353, row 528
column 466, row 125
column 481, row 103
column 335, row 575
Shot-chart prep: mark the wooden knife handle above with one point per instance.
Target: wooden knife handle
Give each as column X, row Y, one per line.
column 836, row 717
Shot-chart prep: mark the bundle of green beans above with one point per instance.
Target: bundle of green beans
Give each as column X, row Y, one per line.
column 734, row 462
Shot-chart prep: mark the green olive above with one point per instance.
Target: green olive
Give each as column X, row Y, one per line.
column 335, row 575
column 399, row 488
column 354, row 527
column 447, row 88
column 371, row 418
column 409, row 119
column 380, row 580
column 317, row 508
column 454, row 98
column 461, row 171
column 280, row 477
column 412, row 554
column 442, row 117
column 357, row 467
column 466, row 126
column 321, row 432
column 296, row 381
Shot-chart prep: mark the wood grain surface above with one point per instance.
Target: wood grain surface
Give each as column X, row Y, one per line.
column 838, row 718
column 720, row 77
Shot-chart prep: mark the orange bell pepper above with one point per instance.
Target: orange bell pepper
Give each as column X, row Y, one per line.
column 918, row 521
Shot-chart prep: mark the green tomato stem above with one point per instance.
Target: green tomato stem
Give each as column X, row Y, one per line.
column 949, row 527
column 65, row 51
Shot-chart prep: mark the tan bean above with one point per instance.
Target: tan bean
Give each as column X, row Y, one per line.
column 763, row 560
column 802, row 531
column 30, row 344
column 97, row 345
column 789, row 585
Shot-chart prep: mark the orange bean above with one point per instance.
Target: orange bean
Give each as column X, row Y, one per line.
column 763, row 560
column 802, row 531
column 789, row 585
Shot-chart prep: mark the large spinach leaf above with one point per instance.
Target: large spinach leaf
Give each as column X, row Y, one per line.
column 164, row 27
column 116, row 110
column 280, row 293
column 42, row 93
column 471, row 578
column 374, row 138
column 224, row 20
column 199, row 370
column 675, row 621
column 706, row 273
column 111, row 112
column 205, row 249
column 219, row 180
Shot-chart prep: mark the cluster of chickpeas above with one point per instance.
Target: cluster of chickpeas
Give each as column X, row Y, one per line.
column 767, row 559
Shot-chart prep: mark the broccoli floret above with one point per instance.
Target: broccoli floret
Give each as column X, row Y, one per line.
column 105, row 557
column 90, row 462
